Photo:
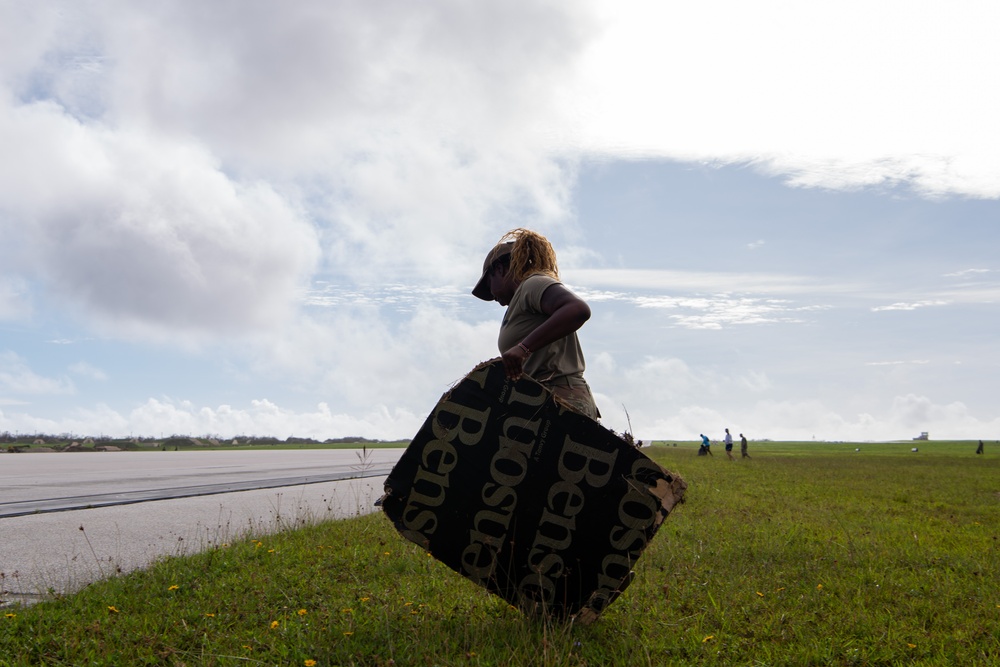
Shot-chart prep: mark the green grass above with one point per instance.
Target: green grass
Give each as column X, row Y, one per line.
column 806, row 554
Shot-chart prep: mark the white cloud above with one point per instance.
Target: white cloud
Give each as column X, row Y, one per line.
column 670, row 398
column 837, row 95
column 11, row 401
column 199, row 171
column 405, row 297
column 88, row 370
column 392, row 136
column 165, row 417
column 411, row 132
column 908, row 306
column 668, row 379
column 665, row 399
column 906, row 418
column 966, row 273
column 898, row 363
column 140, row 232
column 705, row 281
column 718, row 311
column 755, row 382
column 919, row 413
column 357, row 357
column 17, row 378
column 263, row 417
column 696, row 310
column 14, row 300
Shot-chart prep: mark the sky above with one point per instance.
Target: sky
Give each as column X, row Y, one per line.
column 253, row 218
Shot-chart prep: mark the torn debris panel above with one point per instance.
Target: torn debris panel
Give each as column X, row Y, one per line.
column 539, row 504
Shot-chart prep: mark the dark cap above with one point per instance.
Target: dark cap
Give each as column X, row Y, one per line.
column 482, row 288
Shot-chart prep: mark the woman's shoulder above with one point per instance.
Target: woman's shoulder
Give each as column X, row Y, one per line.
column 541, row 281
column 530, row 291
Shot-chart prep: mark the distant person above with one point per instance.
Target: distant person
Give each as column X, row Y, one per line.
column 979, row 450
column 729, row 445
column 743, row 446
column 706, row 446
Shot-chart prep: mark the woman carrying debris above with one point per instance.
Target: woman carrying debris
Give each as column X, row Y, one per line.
column 538, row 331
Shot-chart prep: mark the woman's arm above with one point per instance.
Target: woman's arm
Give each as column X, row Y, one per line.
column 567, row 313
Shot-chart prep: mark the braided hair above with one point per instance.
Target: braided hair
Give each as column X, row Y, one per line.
column 532, row 253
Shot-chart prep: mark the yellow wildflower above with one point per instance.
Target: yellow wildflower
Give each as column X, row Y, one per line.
column 274, row 624
column 113, row 609
column 760, row 594
column 309, row 663
column 10, row 615
column 302, row 612
column 209, row 614
column 819, row 587
column 348, row 634
column 911, row 645
column 708, row 639
column 173, row 588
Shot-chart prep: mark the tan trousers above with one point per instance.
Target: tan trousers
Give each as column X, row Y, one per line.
column 576, row 395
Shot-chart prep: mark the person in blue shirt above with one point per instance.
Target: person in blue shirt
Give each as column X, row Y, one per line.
column 706, row 445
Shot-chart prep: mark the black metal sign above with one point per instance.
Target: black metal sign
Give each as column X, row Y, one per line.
column 539, row 504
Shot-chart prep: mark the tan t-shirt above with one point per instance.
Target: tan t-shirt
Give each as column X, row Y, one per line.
column 560, row 359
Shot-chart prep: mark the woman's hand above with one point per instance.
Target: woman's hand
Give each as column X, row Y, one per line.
column 513, row 362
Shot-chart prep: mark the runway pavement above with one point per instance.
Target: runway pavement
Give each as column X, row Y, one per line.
column 69, row 519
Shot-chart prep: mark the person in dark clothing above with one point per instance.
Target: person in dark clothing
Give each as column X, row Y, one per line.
column 979, row 450
column 743, row 446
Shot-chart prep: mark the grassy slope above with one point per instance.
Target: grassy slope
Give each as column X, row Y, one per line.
column 806, row 554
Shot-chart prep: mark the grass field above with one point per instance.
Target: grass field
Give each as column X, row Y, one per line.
column 805, row 554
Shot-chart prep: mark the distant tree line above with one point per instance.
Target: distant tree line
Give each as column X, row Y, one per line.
column 172, row 440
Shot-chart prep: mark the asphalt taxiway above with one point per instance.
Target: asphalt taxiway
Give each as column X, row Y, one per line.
column 68, row 519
